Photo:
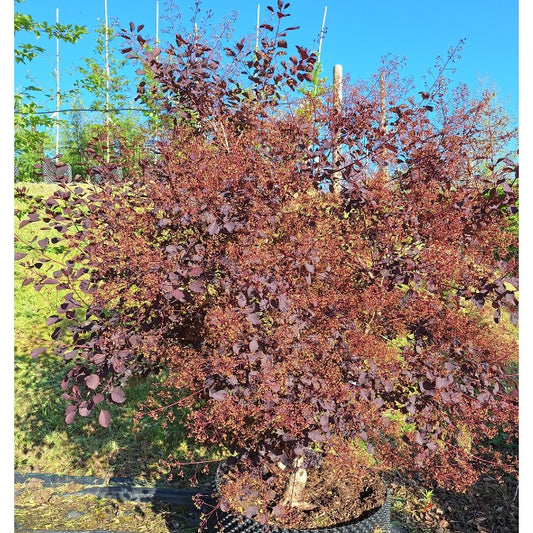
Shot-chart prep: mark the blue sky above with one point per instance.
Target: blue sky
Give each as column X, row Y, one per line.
column 358, row 34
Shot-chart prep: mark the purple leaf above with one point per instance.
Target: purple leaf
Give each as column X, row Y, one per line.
column 252, row 510
column 37, row 351
column 104, row 418
column 92, row 381
column 378, row 402
column 277, row 510
column 419, row 439
column 253, row 318
column 84, row 409
column 482, row 397
column 218, row 395
column 117, row 395
column 98, row 398
column 70, row 413
column 230, row 226
column 52, row 320
column 178, row 294
column 316, row 436
column 283, row 303
column 197, row 286
column 478, row 300
column 426, row 386
column 224, row 506
column 196, row 271
column 254, row 345
column 441, row 382
column 19, row 256
column 24, row 222
column 214, row 228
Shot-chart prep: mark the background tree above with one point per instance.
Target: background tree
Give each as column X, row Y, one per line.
column 103, row 83
column 32, row 126
column 32, row 135
column 28, row 51
column 107, row 117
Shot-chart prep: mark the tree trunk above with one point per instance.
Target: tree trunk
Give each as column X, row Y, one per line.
column 294, row 493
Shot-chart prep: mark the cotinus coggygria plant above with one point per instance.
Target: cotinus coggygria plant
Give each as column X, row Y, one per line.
column 325, row 323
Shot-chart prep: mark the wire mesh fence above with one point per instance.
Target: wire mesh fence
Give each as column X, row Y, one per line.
column 52, row 172
column 97, row 175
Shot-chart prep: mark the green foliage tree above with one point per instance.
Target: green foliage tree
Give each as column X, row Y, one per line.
column 32, row 135
column 27, row 51
column 102, row 80
column 104, row 85
column 32, row 125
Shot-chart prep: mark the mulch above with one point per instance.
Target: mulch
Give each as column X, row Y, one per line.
column 489, row 506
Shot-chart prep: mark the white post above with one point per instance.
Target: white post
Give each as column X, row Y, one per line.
column 322, row 32
column 106, row 79
column 257, row 28
column 337, row 106
column 57, row 86
column 382, row 97
column 156, row 22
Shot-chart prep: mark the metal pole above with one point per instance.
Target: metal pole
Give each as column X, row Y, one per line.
column 106, row 79
column 322, row 32
column 57, row 86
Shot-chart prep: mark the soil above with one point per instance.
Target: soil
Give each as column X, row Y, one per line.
column 329, row 496
column 336, row 501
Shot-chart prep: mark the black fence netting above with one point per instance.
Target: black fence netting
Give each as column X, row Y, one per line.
column 118, row 488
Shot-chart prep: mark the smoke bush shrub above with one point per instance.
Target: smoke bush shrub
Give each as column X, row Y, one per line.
column 292, row 322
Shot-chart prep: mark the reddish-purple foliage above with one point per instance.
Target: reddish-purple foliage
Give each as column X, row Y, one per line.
column 290, row 319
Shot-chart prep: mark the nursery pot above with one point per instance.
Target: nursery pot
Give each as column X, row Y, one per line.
column 378, row 521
